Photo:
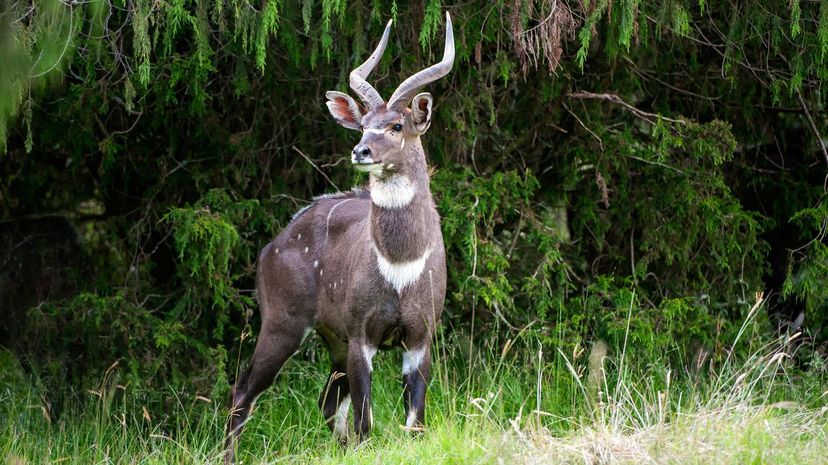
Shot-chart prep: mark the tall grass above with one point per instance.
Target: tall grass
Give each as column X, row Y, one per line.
column 528, row 405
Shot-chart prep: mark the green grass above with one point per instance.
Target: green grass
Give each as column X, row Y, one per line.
column 513, row 406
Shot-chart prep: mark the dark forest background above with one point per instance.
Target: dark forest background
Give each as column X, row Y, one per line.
column 591, row 158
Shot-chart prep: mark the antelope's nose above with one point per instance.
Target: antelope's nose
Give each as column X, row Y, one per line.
column 362, row 154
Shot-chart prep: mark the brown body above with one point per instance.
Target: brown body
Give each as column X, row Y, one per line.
column 366, row 269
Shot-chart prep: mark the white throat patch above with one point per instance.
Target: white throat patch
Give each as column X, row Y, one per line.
column 400, row 275
column 395, row 192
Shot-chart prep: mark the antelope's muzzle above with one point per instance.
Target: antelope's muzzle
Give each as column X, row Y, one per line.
column 363, row 159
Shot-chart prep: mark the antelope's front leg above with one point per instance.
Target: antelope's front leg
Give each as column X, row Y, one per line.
column 359, row 377
column 415, row 370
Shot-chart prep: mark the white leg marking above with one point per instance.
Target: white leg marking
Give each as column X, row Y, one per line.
column 368, row 352
column 411, row 420
column 341, row 422
column 412, row 360
column 400, row 275
column 396, row 192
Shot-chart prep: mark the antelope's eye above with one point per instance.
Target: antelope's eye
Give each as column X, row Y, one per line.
column 397, row 127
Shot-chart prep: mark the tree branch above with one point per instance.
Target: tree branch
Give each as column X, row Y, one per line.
column 314, row 165
column 648, row 117
column 813, row 126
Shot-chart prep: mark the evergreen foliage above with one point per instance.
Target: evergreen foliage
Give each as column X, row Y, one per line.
column 593, row 159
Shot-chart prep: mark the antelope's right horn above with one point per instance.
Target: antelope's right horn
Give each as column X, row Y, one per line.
column 363, row 89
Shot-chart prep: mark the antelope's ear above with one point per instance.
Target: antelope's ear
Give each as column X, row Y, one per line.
column 420, row 115
column 344, row 109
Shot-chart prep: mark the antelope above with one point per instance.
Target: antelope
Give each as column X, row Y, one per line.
column 365, row 268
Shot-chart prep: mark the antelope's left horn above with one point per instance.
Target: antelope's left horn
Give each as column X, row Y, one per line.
column 410, row 86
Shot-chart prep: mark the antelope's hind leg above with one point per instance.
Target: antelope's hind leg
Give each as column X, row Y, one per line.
column 359, row 380
column 277, row 342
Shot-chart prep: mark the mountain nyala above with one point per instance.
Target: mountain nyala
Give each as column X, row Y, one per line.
column 366, row 268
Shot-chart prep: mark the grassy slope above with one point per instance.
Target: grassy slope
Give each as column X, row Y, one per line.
column 754, row 412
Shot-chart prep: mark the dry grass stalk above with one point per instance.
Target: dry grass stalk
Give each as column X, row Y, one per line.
column 540, row 37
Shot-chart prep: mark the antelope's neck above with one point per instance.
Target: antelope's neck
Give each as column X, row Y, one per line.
column 404, row 221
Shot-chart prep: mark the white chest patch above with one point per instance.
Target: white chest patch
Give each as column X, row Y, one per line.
column 400, row 275
column 394, row 192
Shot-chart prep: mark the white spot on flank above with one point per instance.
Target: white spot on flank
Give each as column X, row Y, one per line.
column 320, row 272
column 306, row 250
column 395, row 192
column 411, row 420
column 412, row 360
column 368, row 352
column 277, row 250
column 315, row 263
column 400, row 275
column 341, row 422
column 298, row 237
column 334, row 285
